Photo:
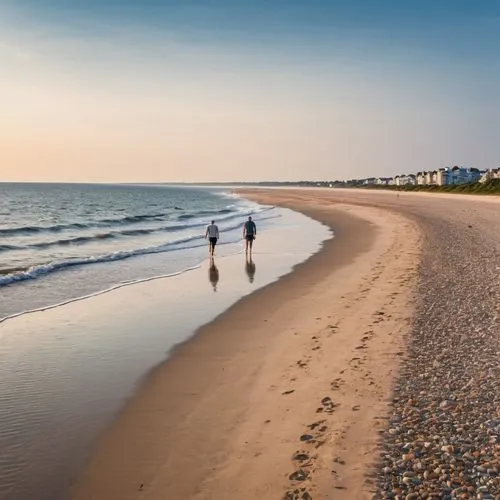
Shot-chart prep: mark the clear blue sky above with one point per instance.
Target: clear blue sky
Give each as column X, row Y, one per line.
column 221, row 90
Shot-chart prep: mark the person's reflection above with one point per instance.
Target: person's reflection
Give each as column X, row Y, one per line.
column 213, row 274
column 250, row 268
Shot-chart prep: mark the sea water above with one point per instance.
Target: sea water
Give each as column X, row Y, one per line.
column 63, row 241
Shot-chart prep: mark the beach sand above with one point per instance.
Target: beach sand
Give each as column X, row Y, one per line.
column 286, row 393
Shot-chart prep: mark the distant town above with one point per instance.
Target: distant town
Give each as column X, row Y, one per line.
column 452, row 179
column 447, row 178
column 441, row 177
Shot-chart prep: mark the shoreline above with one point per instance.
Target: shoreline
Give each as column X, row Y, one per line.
column 34, row 278
column 98, row 293
column 69, row 370
column 204, row 423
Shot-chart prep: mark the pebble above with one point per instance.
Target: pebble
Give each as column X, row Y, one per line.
column 442, row 437
column 299, row 475
column 306, row 437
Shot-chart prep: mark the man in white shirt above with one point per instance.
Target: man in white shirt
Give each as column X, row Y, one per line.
column 212, row 233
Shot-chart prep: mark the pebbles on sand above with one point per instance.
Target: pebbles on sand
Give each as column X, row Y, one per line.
column 443, row 439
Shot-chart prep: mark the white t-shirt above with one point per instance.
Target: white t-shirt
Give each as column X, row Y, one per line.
column 213, row 231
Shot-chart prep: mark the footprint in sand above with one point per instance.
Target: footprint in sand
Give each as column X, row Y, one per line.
column 355, row 361
column 316, row 424
column 299, row 475
column 301, row 456
column 298, row 494
column 336, row 384
column 327, row 405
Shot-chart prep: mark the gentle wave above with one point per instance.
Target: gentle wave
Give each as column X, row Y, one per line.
column 80, row 240
column 131, row 219
column 204, row 212
column 40, row 229
column 44, row 269
column 40, row 270
column 6, row 248
column 71, row 241
column 128, row 219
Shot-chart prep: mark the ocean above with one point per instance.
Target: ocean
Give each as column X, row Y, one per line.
column 59, row 242
column 98, row 285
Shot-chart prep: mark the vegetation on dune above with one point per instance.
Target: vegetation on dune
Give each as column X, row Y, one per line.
column 490, row 187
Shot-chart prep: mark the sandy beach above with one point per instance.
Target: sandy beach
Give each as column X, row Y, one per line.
column 369, row 372
column 285, row 394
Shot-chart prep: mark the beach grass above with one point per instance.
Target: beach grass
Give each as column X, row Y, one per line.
column 491, row 187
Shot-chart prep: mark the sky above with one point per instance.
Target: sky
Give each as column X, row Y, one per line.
column 219, row 90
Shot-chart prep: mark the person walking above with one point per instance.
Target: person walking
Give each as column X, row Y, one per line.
column 249, row 234
column 212, row 233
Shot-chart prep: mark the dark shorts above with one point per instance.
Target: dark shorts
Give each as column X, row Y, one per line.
column 213, row 241
column 250, row 237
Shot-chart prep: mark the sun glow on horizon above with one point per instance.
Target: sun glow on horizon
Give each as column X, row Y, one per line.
column 130, row 102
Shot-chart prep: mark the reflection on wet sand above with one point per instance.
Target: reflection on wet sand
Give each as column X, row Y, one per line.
column 213, row 274
column 250, row 268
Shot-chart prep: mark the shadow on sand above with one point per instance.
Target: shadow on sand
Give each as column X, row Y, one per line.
column 213, row 274
column 250, row 268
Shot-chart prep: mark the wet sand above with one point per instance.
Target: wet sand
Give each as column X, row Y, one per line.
column 283, row 395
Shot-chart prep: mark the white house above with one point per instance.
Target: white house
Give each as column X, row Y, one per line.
column 405, row 180
column 383, row 181
column 443, row 176
column 420, row 178
column 490, row 174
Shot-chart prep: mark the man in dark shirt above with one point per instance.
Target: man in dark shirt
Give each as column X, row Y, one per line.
column 249, row 234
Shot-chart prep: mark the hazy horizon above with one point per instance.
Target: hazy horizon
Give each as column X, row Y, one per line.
column 219, row 91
